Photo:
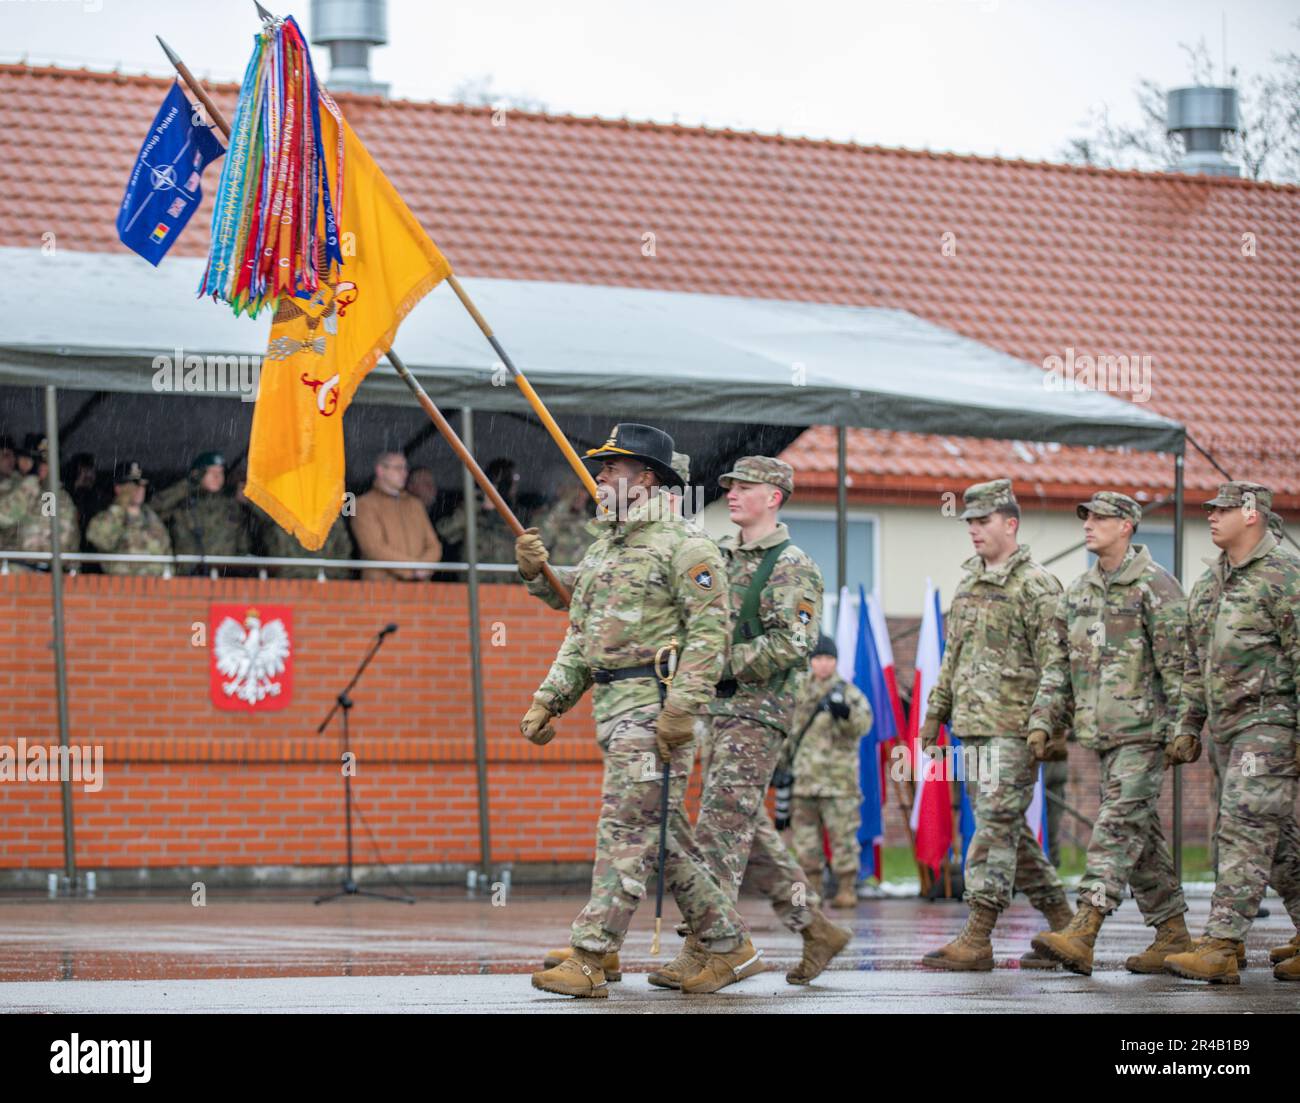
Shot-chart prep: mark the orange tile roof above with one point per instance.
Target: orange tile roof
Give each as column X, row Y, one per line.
column 1047, row 257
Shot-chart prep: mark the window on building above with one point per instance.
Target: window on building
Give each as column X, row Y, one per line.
column 814, row 531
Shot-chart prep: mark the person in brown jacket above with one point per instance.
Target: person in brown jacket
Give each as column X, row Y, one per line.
column 391, row 523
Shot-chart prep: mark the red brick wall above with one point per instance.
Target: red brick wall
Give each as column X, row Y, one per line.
column 188, row 784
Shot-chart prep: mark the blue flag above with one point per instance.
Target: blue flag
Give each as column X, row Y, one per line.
column 869, row 677
column 163, row 191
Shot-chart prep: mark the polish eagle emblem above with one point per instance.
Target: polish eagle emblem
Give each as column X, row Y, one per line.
column 250, row 657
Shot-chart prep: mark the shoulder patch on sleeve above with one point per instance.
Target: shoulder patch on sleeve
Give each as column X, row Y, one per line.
column 805, row 610
column 702, row 575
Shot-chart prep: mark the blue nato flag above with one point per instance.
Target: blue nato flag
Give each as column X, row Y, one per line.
column 164, row 188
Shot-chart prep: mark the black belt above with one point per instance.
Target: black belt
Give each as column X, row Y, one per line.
column 726, row 688
column 604, row 677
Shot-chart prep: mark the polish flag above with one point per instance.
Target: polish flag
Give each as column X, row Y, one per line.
column 931, row 812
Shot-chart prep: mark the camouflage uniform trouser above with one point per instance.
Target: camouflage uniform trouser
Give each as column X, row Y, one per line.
column 1128, row 844
column 1004, row 857
column 841, row 817
column 627, row 842
column 1259, row 841
column 734, row 831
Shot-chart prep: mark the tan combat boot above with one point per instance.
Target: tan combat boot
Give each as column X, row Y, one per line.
column 846, row 896
column 1286, row 951
column 1241, row 952
column 822, row 940
column 1072, row 945
column 1171, row 938
column 970, row 951
column 579, row 974
column 1213, row 960
column 719, row 970
column 610, row 965
column 1058, row 917
column 1288, row 970
column 689, row 961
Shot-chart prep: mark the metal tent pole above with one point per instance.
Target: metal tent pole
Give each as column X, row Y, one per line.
column 60, row 646
column 841, row 510
column 476, row 647
column 1178, row 574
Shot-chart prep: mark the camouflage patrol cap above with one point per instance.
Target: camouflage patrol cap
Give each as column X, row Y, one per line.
column 681, row 466
column 760, row 469
column 129, row 471
column 1238, row 493
column 983, row 498
column 1110, row 503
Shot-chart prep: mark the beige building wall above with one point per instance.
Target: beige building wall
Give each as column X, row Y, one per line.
column 913, row 544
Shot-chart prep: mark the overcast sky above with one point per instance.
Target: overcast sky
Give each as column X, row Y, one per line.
column 1008, row 77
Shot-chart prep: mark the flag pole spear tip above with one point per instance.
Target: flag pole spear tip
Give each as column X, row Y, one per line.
column 261, row 11
column 171, row 54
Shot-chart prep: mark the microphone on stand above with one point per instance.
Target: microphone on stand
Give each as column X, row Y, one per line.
column 388, row 631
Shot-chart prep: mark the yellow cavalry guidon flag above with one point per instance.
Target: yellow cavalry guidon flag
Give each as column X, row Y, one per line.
column 323, row 344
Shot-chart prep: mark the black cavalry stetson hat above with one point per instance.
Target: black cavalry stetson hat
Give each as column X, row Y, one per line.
column 651, row 446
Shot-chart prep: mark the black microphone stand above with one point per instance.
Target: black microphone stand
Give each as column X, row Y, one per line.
column 344, row 701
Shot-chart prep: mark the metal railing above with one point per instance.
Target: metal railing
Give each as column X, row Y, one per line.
column 262, row 562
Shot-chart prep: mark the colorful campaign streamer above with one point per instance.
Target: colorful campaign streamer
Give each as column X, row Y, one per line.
column 273, row 227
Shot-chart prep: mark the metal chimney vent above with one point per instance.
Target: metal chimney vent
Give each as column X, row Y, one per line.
column 349, row 28
column 1204, row 117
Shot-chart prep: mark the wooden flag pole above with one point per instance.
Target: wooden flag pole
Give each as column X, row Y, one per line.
column 421, row 396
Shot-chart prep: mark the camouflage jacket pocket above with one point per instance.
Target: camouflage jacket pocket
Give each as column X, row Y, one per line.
column 1126, row 687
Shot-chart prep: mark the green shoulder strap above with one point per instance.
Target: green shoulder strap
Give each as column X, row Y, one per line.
column 748, row 624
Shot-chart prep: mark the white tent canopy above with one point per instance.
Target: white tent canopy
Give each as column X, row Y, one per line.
column 96, row 321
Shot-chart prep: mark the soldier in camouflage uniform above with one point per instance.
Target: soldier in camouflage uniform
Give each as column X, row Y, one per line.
column 494, row 540
column 563, row 526
column 530, row 554
column 128, row 526
column 750, row 716
column 645, row 584
column 1122, row 626
column 830, row 719
column 9, row 478
column 1000, row 636
column 25, row 515
column 1279, row 534
column 279, row 543
column 202, row 518
column 1241, row 681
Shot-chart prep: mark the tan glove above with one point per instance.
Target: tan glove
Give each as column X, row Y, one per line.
column 536, row 725
column 929, row 733
column 1036, row 740
column 675, row 728
column 1183, row 749
column 530, row 553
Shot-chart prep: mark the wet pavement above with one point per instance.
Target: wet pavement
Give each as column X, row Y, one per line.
column 268, row 951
